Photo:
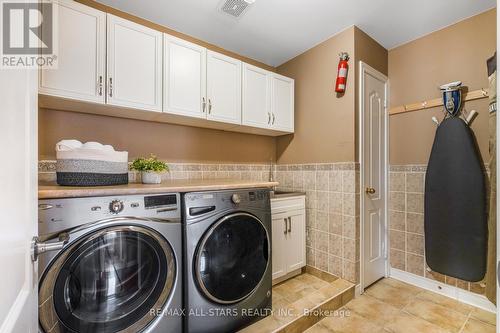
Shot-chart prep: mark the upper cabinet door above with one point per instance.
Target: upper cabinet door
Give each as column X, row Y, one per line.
column 185, row 68
column 256, row 102
column 134, row 65
column 81, row 55
column 282, row 103
column 223, row 88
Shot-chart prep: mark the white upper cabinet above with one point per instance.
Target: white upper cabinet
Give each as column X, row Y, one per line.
column 223, row 88
column 256, row 103
column 134, row 65
column 282, row 103
column 109, row 60
column 184, row 78
column 81, row 55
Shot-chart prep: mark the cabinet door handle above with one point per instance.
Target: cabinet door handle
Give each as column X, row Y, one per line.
column 285, row 226
column 110, row 87
column 100, row 85
column 268, row 118
column 273, row 119
column 209, row 106
column 203, row 105
column 289, row 224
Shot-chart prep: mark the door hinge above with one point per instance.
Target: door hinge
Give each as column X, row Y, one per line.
column 38, row 247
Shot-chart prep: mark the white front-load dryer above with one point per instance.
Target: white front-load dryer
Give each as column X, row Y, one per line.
column 110, row 264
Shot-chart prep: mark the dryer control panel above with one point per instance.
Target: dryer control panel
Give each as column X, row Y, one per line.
column 201, row 203
column 60, row 214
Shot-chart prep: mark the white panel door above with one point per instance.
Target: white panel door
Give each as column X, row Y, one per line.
column 223, row 88
column 296, row 238
column 282, row 103
column 134, row 65
column 279, row 245
column 184, row 78
column 81, row 54
column 373, row 150
column 18, row 200
column 256, row 97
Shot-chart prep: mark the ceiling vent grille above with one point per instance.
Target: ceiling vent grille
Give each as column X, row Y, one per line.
column 235, row 7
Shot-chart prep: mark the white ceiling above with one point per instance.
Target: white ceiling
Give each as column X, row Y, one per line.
column 274, row 31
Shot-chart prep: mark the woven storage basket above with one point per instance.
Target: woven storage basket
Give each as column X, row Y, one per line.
column 90, row 164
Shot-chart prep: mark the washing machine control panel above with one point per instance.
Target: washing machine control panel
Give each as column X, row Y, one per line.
column 60, row 214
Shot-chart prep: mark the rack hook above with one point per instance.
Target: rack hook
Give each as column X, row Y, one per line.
column 435, row 120
column 470, row 118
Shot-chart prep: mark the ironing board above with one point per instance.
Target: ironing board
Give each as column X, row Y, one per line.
column 455, row 204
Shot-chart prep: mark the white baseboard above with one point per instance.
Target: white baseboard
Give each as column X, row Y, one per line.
column 461, row 295
column 357, row 290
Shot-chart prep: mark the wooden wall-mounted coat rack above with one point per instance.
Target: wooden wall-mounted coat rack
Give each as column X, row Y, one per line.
column 469, row 96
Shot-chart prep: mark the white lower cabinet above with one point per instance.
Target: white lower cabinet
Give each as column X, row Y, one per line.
column 289, row 235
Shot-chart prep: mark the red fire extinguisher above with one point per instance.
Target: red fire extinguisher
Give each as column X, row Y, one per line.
column 342, row 73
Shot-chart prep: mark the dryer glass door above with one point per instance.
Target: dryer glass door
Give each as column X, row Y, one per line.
column 110, row 280
column 232, row 258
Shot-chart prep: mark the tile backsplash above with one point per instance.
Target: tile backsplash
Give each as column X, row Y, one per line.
column 332, row 203
column 47, row 169
column 406, row 226
column 332, row 206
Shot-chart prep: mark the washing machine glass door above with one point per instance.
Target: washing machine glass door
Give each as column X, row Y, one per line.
column 232, row 258
column 110, row 281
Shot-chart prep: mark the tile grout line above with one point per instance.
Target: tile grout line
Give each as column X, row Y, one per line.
column 465, row 322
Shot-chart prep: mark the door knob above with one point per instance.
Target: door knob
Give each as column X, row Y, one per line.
column 370, row 190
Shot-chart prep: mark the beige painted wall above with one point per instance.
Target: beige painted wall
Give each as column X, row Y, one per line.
column 173, row 143
column 325, row 123
column 416, row 69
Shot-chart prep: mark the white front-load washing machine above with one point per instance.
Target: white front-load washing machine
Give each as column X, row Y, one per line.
column 110, row 264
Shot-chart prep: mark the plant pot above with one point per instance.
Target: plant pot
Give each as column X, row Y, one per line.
column 151, row 177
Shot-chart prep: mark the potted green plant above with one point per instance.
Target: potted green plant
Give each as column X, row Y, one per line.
column 150, row 168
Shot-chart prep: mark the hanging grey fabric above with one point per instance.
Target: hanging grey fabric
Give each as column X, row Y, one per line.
column 455, row 197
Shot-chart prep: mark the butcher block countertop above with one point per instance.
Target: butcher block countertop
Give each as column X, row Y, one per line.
column 54, row 191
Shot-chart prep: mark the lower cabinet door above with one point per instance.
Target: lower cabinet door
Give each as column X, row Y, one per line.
column 296, row 239
column 279, row 246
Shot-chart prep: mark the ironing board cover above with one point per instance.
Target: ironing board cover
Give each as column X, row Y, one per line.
column 455, row 204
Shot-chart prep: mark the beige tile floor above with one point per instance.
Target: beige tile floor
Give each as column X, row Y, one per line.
column 292, row 298
column 397, row 307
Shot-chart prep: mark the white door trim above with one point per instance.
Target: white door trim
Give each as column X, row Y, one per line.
column 364, row 68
